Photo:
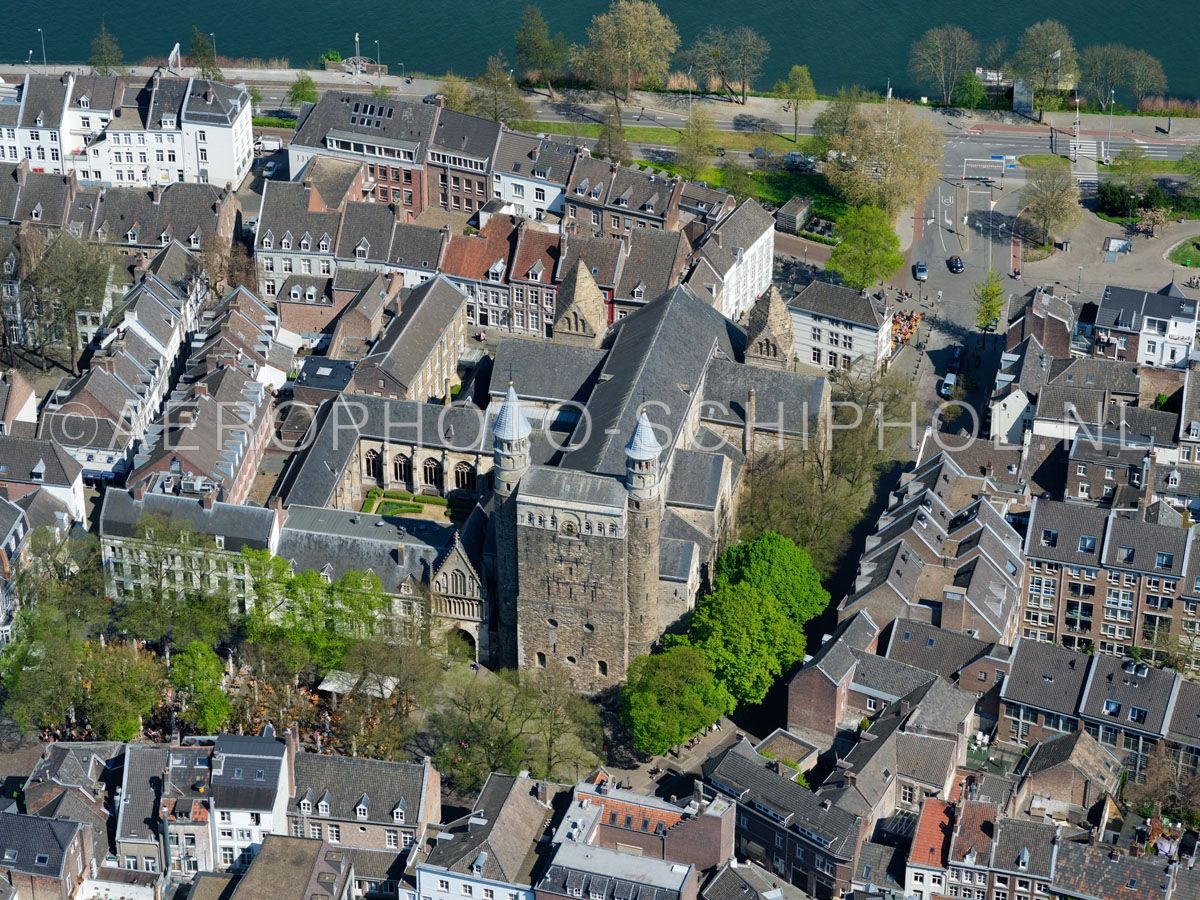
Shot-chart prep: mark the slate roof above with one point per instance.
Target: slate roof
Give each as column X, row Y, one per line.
column 791, row 402
column 604, row 257
column 43, row 97
column 285, row 209
column 241, row 526
column 835, row 658
column 458, row 132
column 1079, row 750
column 183, row 209
column 214, row 102
column 344, row 781
column 1112, row 680
column 881, row 865
column 1127, row 309
column 723, row 244
column 695, row 479
column 1099, row 873
column 295, row 868
column 839, row 302
column 748, row 878
column 363, row 224
column 1185, row 716
column 743, row 774
column 141, row 786
column 237, row 762
column 578, row 487
column 417, row 246
column 24, row 839
column 594, row 181
column 607, row 874
column 409, row 125
column 1133, row 543
column 1024, row 848
column 513, row 819
column 21, row 458
column 527, row 156
column 652, row 264
column 545, row 371
column 937, row 650
column 1056, row 527
column 1045, row 676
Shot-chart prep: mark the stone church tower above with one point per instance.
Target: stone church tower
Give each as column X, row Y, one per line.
column 510, row 457
column 581, row 315
column 770, row 340
column 643, row 481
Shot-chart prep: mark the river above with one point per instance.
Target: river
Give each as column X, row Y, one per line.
column 862, row 42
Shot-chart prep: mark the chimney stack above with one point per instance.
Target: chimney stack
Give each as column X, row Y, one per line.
column 748, row 427
column 207, row 499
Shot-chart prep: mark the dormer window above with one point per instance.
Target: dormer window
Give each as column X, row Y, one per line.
column 1194, row 431
column 360, row 812
column 398, row 815
column 268, row 241
column 295, row 292
column 131, row 236
column 305, row 808
column 639, row 292
column 85, row 102
column 38, row 120
column 168, row 121
column 310, row 294
column 304, row 243
column 164, row 238
column 322, row 808
column 194, row 241
column 363, row 248
column 36, row 213
column 1173, row 479
column 323, row 246
column 286, row 242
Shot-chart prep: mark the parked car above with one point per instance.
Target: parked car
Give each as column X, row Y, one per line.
column 801, row 161
column 956, row 265
column 430, row 98
column 719, row 151
column 270, row 169
column 267, row 144
column 921, row 271
column 949, row 383
column 955, row 360
column 760, row 153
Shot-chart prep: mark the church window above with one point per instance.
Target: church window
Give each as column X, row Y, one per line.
column 587, row 527
column 612, row 529
column 601, row 667
column 431, row 472
column 458, row 583
column 373, row 464
column 541, row 660
column 464, row 477
column 571, row 660
column 528, row 518
column 401, row 468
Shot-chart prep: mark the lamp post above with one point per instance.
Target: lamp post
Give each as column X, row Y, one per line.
column 689, row 79
column 378, row 64
column 212, row 36
column 1077, row 115
column 42, row 35
column 1112, row 99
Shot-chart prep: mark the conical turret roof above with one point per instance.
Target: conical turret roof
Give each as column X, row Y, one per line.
column 643, row 444
column 511, row 424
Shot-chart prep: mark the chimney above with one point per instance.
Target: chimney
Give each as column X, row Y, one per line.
column 748, row 427
column 439, row 101
column 207, row 499
column 717, row 237
column 446, row 399
column 156, row 195
column 105, row 364
column 138, row 491
column 200, row 390
column 291, row 741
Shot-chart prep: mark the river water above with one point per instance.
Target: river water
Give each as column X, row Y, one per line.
column 862, row 42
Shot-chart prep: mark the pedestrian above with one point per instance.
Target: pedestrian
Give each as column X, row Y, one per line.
column 939, row 296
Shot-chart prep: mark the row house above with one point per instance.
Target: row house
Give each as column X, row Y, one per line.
column 530, row 174
column 1137, row 712
column 462, row 150
column 577, row 869
column 101, row 416
column 1150, row 329
column 1112, row 580
column 243, row 332
column 1050, row 320
column 44, row 859
column 734, row 260
column 251, row 784
column 129, row 130
column 605, row 199
column 840, row 328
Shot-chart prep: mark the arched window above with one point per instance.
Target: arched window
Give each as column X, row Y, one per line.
column 431, row 473
column 464, row 477
column 401, row 468
column 458, row 583
column 373, row 464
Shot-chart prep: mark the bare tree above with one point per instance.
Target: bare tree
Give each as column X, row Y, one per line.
column 732, row 57
column 1045, row 59
column 1146, row 76
column 1051, row 195
column 1102, row 69
column 941, row 55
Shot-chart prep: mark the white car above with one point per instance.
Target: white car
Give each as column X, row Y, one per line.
column 949, row 383
column 270, row 169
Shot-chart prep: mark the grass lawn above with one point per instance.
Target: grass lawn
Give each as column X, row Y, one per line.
column 1155, row 167
column 1044, row 159
column 657, row 134
column 1186, row 252
column 395, row 508
column 778, row 186
column 1117, row 220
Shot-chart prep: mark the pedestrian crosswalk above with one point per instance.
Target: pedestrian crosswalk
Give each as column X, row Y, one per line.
column 1083, row 148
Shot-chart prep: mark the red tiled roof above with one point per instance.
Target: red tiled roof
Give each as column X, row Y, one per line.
column 931, row 842
column 976, row 829
column 534, row 245
column 471, row 256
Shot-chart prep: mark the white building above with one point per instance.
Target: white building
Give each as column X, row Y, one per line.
column 734, row 260
column 1151, row 329
column 530, row 174
column 250, row 779
column 123, row 131
column 836, row 327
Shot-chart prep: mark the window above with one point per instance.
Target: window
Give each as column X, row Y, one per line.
column 392, row 838
column 335, row 834
column 1049, row 537
column 906, row 793
column 1087, row 543
column 1112, row 708
column 1164, row 560
column 1137, row 715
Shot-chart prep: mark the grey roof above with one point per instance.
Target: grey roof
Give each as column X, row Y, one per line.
column 597, row 181
column 1101, row 873
column 1184, row 725
column 748, row 878
column 362, row 224
column 43, row 97
column 545, row 371
column 1024, row 848
column 214, row 102
column 1127, row 309
column 527, row 156
column 838, row 302
column 1112, row 680
column 579, row 487
column 791, row 402
column 643, row 445
column 21, row 458
column 416, row 246
column 182, row 210
column 400, row 123
column 1045, row 676
column 651, row 264
column 500, row 833
column 241, row 526
column 141, row 788
column 247, row 771
column 1096, row 372
column 1056, row 529
column 1077, row 748
column 285, row 210
column 695, row 479
column 335, row 542
column 345, row 781
column 880, row 865
column 313, row 373
column 661, row 352
column 748, row 777
column 25, row 840
column 887, row 677
column 724, row 243
column 1134, row 543
column 604, row 257
column 677, row 559
column 937, row 650
column 458, row 132
column 835, row 657
column 607, row 874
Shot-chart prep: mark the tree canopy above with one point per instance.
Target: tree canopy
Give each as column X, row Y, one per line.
column 777, row 566
column 203, row 55
column 868, row 247
column 495, row 95
column 197, row 676
column 696, row 144
column 941, row 56
column 731, row 58
column 302, row 90
column 1046, row 59
column 630, row 44
column 670, row 696
column 798, row 90
column 537, row 50
column 989, row 301
column 106, row 57
column 1051, row 195
column 886, row 156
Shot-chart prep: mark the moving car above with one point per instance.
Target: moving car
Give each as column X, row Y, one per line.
column 921, row 271
column 956, row 265
column 949, row 383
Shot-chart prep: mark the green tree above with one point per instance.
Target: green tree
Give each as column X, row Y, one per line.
column 747, row 637
column 40, row 669
column 381, row 92
column 302, row 90
column 798, row 90
column 1102, row 69
column 120, row 687
column 1051, row 195
column 611, row 143
column 1190, row 165
column 456, row 92
column 969, row 91
column 203, row 55
column 989, row 301
column 887, row 157
column 736, row 178
column 495, row 94
column 537, row 50
column 670, row 696
column 832, row 124
column 941, row 56
column 868, row 248
column 65, row 573
column 630, row 44
column 695, row 148
column 256, row 98
column 331, row 55
column 731, row 57
column 1146, row 76
column 71, row 277
column 1133, row 168
column 776, row 566
column 1045, row 59
column 106, row 58
column 197, row 675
